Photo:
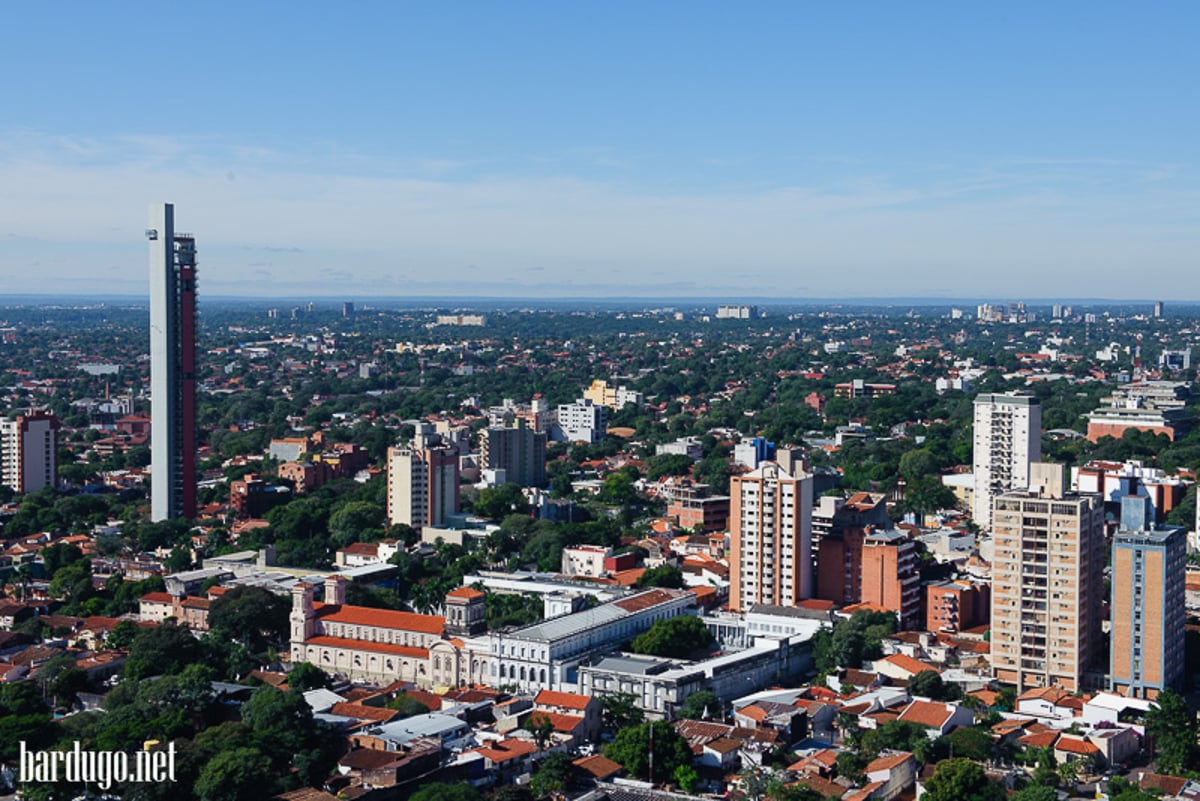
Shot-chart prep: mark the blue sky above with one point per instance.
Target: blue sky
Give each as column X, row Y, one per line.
column 662, row 149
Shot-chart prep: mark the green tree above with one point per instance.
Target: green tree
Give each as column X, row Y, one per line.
column 240, row 774
column 440, row 791
column 962, row 780
column 541, row 727
column 633, row 747
column 687, row 778
column 254, row 616
column 307, row 676
column 553, row 774
column 701, row 705
column 929, row 684
column 355, row 521
column 620, row 711
column 495, row 503
column 676, row 637
column 1036, row 792
column 664, row 575
column 1173, row 730
column 162, row 650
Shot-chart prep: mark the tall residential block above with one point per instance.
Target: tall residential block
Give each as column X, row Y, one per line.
column 1007, row 438
column 878, row 568
column 516, row 449
column 1149, row 567
column 29, row 452
column 422, row 485
column 581, row 421
column 1047, row 583
column 770, row 522
column 172, row 367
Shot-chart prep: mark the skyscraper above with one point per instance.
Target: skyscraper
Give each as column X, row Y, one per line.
column 172, row 367
column 770, row 523
column 29, row 452
column 1047, row 582
column 1149, row 565
column 1008, row 436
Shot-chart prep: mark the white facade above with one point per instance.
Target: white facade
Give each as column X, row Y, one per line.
column 732, row 312
column 547, row 655
column 29, row 452
column 1008, row 436
column 585, row 560
column 581, row 421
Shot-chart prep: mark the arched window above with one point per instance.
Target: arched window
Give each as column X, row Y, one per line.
column 522, row 673
column 543, row 675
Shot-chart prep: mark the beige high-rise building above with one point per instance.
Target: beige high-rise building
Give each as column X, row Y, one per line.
column 1007, row 439
column 422, row 485
column 770, row 523
column 29, row 452
column 1047, row 582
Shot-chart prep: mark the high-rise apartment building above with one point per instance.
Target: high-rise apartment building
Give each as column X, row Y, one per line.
column 770, row 522
column 581, row 421
column 1149, row 566
column 172, row 367
column 422, row 484
column 29, row 452
column 1008, row 437
column 1047, row 582
column 517, row 450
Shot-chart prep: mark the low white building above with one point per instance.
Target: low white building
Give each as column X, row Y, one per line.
column 547, row 655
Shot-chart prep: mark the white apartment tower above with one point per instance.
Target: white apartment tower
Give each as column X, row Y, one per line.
column 770, row 523
column 29, row 452
column 1008, row 437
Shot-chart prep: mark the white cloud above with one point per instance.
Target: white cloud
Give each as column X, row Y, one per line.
column 326, row 225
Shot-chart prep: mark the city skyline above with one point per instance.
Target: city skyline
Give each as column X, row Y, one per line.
column 538, row 151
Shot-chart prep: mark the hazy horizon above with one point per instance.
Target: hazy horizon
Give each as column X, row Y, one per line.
column 649, row 150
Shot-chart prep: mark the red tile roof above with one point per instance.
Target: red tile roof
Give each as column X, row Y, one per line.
column 926, row 713
column 465, row 592
column 381, row 618
column 907, row 663
column 506, row 750
column 1074, row 746
column 644, row 600
column 157, row 598
column 568, row 700
column 367, row 645
column 598, row 765
column 887, row 762
column 566, row 724
column 362, row 712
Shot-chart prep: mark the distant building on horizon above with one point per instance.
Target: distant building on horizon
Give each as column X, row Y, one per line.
column 172, row 367
column 736, row 312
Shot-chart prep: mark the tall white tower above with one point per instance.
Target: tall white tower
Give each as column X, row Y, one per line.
column 1008, row 436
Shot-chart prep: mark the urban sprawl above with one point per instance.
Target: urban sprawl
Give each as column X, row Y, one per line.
column 386, row 551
